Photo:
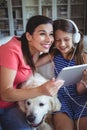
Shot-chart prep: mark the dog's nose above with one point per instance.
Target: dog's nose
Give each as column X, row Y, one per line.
column 31, row 118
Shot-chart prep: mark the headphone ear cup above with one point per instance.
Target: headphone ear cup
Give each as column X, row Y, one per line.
column 76, row 38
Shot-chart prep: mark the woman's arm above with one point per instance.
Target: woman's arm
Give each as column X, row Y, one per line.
column 9, row 93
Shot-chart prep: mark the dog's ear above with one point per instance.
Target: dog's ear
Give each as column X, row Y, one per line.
column 22, row 106
column 55, row 104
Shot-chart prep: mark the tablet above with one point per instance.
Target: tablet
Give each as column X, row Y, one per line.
column 72, row 74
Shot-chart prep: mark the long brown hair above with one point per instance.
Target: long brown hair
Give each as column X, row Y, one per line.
column 67, row 26
column 32, row 23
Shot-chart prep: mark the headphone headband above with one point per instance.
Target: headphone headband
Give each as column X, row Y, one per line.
column 76, row 35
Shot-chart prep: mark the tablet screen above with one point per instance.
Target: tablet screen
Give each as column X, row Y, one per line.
column 72, row 74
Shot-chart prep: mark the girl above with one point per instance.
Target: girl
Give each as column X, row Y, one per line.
column 68, row 51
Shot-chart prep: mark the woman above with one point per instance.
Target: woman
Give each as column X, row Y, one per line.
column 17, row 64
column 68, row 51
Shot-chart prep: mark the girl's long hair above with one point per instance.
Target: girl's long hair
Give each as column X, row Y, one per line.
column 68, row 27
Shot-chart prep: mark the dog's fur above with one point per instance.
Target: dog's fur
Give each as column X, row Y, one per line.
column 36, row 109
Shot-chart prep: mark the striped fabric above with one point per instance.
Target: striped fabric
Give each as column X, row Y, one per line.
column 72, row 103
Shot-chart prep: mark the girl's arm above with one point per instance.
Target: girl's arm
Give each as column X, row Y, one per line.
column 82, row 85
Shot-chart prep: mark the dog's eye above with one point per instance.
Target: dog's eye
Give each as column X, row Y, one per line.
column 28, row 103
column 41, row 104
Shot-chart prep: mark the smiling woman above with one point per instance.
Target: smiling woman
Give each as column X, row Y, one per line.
column 17, row 63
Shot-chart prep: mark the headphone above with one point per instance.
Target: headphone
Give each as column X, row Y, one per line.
column 76, row 35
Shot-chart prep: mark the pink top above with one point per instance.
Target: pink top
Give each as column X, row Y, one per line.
column 11, row 57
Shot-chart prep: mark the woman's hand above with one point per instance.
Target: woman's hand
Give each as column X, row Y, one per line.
column 51, row 87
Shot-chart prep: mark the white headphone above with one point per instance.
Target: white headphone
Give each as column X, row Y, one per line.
column 76, row 35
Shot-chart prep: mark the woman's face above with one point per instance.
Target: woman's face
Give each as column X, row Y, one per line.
column 41, row 39
column 63, row 41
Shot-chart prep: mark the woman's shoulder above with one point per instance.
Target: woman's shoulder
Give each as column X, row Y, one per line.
column 11, row 52
column 11, row 49
column 12, row 44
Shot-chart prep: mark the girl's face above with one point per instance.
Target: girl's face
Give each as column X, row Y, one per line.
column 63, row 41
column 41, row 39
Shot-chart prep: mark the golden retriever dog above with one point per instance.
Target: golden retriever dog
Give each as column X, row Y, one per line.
column 38, row 108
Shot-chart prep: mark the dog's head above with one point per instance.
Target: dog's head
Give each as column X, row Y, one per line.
column 37, row 108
